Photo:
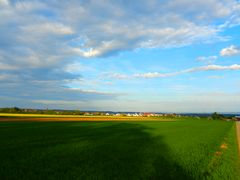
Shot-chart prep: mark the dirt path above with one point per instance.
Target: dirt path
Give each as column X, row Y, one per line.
column 238, row 134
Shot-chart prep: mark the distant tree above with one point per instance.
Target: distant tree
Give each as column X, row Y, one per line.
column 16, row 109
column 78, row 112
column 215, row 115
column 97, row 113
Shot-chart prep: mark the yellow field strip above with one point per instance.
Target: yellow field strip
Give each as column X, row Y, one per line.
column 66, row 116
column 43, row 117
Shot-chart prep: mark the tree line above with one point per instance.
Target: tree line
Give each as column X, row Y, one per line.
column 40, row 111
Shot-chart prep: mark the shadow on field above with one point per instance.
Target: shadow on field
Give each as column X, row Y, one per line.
column 84, row 151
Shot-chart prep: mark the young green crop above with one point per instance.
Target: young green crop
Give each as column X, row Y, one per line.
column 188, row 149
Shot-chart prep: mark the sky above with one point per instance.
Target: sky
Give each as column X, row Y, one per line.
column 138, row 55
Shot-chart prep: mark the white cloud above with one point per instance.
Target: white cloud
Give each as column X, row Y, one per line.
column 153, row 75
column 28, row 6
column 215, row 67
column 3, row 2
column 230, row 51
column 87, row 53
column 102, row 49
column 202, row 10
column 117, row 76
column 56, row 28
column 92, row 91
column 207, row 59
column 190, row 70
column 215, row 77
column 58, row 102
column 7, row 66
column 5, row 77
column 77, row 68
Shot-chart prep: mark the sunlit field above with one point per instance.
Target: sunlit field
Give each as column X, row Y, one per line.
column 183, row 149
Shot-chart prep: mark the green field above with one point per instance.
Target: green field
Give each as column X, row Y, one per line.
column 186, row 149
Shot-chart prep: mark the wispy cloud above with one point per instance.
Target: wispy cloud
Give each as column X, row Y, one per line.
column 91, row 91
column 207, row 59
column 190, row 70
column 45, row 28
column 77, row 68
column 4, row 66
column 116, row 75
column 216, row 77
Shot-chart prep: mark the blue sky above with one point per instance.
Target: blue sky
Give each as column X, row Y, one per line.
column 164, row 56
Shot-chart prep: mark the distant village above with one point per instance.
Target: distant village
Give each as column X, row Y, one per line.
column 146, row 114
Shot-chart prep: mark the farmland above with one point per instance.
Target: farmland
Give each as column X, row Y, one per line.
column 184, row 148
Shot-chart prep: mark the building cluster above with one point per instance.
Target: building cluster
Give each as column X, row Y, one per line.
column 134, row 114
column 237, row 118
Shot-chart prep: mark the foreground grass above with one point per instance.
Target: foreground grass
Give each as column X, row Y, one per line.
column 188, row 149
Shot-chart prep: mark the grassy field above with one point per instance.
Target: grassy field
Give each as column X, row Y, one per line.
column 185, row 149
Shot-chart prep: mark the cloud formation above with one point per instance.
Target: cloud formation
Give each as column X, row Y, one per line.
column 103, row 28
column 230, row 51
column 46, row 33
